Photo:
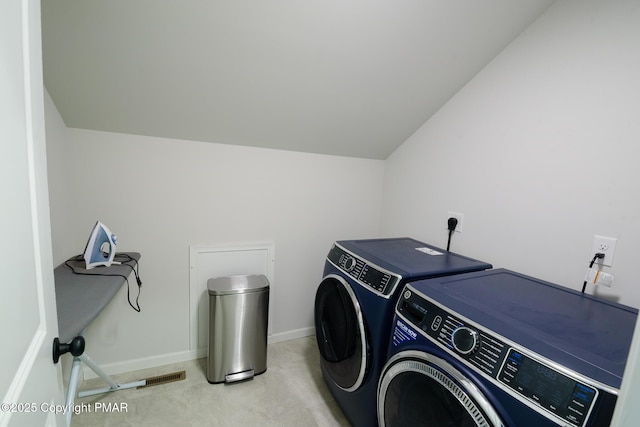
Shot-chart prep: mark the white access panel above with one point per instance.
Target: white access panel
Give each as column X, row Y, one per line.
column 206, row 262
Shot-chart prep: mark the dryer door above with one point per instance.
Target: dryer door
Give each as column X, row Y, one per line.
column 340, row 333
column 418, row 388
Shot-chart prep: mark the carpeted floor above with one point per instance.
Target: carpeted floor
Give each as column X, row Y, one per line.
column 290, row 393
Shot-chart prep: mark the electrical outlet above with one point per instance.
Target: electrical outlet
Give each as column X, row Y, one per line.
column 460, row 217
column 605, row 245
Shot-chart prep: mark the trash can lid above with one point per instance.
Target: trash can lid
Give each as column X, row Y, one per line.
column 239, row 284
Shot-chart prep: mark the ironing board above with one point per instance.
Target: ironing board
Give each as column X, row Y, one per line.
column 80, row 298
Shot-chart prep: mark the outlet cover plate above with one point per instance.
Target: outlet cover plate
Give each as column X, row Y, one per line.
column 606, row 245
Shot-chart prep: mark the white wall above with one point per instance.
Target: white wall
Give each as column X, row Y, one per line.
column 60, row 183
column 539, row 151
column 160, row 196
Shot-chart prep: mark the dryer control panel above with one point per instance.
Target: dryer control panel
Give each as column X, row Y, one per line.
column 556, row 393
column 371, row 276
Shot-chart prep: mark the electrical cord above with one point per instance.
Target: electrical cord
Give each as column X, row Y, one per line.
column 123, row 259
column 451, row 225
column 598, row 255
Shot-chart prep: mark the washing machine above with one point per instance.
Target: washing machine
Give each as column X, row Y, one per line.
column 499, row 348
column 354, row 307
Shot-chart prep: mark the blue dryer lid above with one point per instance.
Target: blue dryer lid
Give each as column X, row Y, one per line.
column 411, row 258
column 588, row 335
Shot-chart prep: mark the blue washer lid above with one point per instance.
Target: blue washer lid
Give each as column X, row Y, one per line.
column 588, row 335
column 411, row 258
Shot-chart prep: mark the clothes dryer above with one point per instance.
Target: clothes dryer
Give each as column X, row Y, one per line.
column 354, row 308
column 498, row 348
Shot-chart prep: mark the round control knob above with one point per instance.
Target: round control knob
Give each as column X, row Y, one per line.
column 349, row 264
column 465, row 340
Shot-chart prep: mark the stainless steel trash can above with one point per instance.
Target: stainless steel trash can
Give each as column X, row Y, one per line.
column 238, row 316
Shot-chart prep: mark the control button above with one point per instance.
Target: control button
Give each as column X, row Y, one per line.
column 465, row 340
column 349, row 263
column 436, row 323
column 407, row 294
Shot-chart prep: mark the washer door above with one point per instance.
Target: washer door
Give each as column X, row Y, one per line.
column 340, row 333
column 420, row 389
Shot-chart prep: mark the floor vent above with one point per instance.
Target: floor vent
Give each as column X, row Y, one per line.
column 163, row 379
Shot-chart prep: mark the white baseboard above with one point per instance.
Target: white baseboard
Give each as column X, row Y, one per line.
column 183, row 356
column 291, row 335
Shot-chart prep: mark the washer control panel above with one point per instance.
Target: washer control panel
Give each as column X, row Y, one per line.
column 552, row 392
column 373, row 277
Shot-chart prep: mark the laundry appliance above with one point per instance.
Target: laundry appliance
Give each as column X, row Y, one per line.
column 498, row 348
column 354, row 308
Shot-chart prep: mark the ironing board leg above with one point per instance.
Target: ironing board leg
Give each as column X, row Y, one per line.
column 73, row 386
column 113, row 386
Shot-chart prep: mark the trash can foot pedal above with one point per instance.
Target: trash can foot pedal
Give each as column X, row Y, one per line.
column 239, row 376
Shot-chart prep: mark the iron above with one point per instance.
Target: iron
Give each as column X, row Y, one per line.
column 101, row 247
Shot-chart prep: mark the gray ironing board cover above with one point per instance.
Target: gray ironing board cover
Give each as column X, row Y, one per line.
column 80, row 298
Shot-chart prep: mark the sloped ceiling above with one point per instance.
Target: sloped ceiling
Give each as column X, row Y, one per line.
column 344, row 77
